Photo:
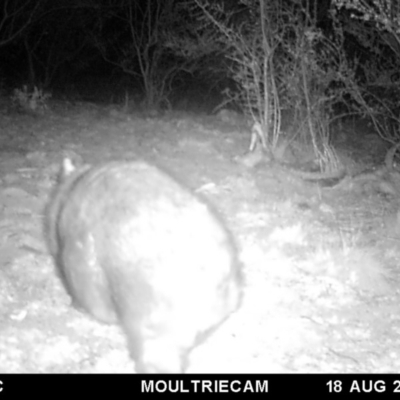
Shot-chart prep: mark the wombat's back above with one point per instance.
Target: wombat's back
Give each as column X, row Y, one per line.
column 135, row 246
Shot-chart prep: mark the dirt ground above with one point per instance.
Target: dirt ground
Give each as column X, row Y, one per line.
column 321, row 263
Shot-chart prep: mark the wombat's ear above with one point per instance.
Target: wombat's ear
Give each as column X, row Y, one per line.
column 67, row 167
column 72, row 163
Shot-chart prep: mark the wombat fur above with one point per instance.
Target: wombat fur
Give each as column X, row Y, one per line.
column 135, row 247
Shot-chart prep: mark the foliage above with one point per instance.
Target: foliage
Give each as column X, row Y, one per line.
column 375, row 26
column 30, row 100
column 153, row 44
column 263, row 56
column 279, row 58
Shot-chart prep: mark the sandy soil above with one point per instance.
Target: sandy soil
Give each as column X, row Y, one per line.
column 321, row 263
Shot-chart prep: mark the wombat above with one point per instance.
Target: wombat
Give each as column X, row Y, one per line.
column 135, row 247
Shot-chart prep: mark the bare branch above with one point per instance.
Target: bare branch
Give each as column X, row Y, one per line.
column 16, row 16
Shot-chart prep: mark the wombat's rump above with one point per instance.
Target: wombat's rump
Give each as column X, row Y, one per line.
column 134, row 246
